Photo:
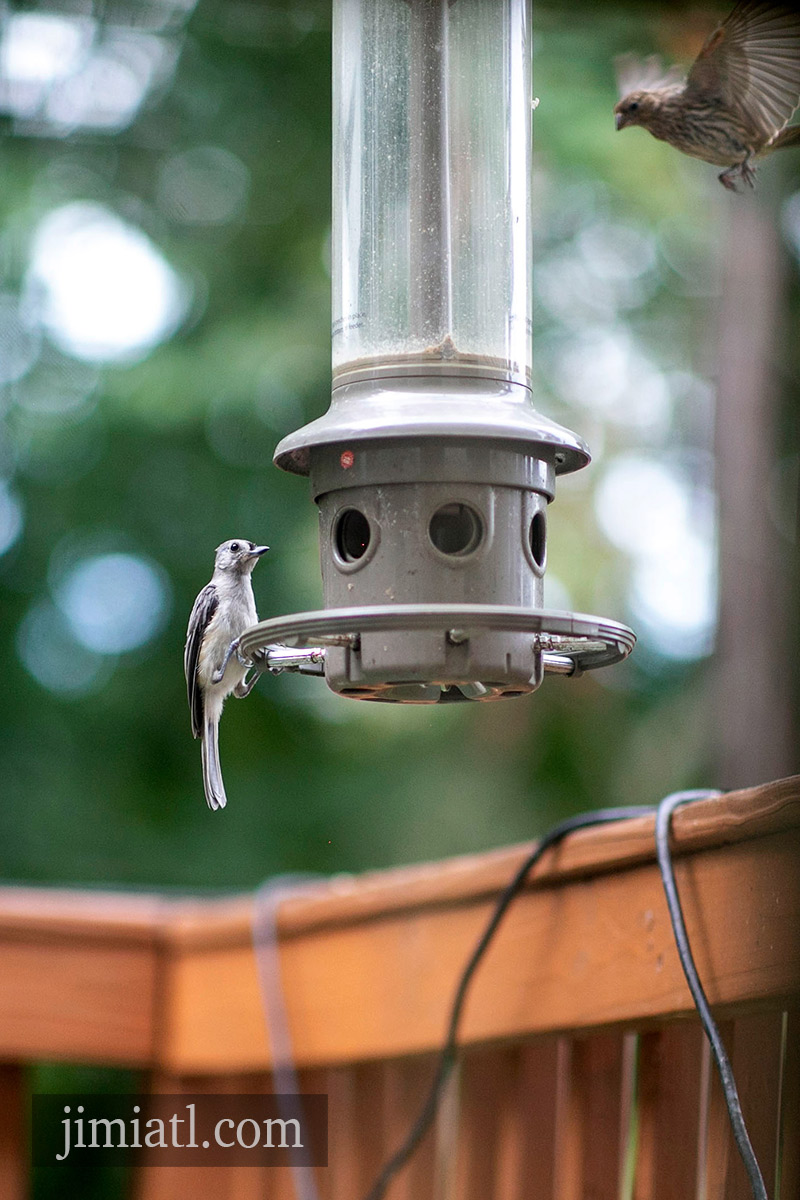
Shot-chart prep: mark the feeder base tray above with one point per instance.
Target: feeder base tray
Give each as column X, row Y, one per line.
column 438, row 653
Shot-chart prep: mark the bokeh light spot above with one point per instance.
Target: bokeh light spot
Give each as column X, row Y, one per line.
column 114, row 602
column 647, row 510
column 206, row 185
column 40, row 48
column 19, row 342
column 54, row 658
column 790, row 219
column 11, row 518
column 674, row 601
column 106, row 292
column 602, row 369
column 641, row 506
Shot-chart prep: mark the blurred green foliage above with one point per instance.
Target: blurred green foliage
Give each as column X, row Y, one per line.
column 166, row 456
column 163, row 457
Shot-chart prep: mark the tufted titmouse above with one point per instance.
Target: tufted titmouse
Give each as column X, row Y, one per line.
column 221, row 613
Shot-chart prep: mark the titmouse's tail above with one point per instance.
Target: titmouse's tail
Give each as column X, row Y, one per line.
column 212, row 775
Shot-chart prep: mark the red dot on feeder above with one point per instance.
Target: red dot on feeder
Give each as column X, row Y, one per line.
column 347, row 459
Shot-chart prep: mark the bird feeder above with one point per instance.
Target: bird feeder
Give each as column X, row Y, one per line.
column 431, row 469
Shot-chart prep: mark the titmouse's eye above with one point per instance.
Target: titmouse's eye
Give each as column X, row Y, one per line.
column 235, row 547
column 633, row 106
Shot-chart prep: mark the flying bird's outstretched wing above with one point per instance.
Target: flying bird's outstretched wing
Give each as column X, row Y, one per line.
column 752, row 63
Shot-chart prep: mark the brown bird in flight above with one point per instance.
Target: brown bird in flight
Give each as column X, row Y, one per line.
column 735, row 103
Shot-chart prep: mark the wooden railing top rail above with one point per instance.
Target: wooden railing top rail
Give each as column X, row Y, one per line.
column 369, row 963
column 210, row 921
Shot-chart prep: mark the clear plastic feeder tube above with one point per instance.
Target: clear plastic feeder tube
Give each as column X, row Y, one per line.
column 431, row 212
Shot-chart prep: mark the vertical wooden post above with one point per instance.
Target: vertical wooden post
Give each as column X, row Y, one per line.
column 223, row 1182
column 406, row 1084
column 670, row 1101
column 789, row 1146
column 754, row 652
column 593, row 1118
column 13, row 1140
column 530, row 1148
column 755, row 1045
column 356, row 1147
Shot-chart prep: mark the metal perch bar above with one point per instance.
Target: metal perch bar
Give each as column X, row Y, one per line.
column 567, row 641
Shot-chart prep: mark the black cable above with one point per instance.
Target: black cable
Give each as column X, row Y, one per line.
column 447, row 1055
column 743, row 1143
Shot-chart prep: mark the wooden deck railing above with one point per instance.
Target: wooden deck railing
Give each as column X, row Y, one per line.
column 584, row 1076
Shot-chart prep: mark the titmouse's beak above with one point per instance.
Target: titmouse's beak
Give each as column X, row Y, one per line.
column 256, row 553
column 619, row 120
column 251, row 558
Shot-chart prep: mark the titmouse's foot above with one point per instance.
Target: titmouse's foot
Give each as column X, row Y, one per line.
column 232, row 649
column 246, row 686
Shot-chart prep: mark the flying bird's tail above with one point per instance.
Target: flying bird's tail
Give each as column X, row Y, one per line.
column 787, row 137
column 212, row 775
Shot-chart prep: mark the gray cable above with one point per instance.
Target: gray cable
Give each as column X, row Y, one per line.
column 663, row 818
column 266, row 902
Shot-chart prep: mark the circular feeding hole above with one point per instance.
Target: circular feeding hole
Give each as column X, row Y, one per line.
column 455, row 529
column 352, row 535
column 536, row 537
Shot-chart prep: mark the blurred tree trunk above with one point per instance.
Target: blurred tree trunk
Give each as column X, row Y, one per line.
column 755, row 659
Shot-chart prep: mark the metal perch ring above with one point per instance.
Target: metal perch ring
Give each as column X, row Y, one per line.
column 569, row 642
